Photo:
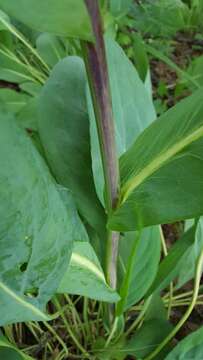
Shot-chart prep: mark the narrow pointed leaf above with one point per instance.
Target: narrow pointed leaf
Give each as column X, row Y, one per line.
column 144, row 252
column 162, row 171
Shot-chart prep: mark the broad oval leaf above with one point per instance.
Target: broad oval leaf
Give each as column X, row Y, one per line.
column 162, row 171
column 36, row 228
column 85, row 277
column 64, row 133
column 190, row 348
column 132, row 108
column 61, row 17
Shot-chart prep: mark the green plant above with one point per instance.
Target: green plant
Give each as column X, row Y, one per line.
column 87, row 178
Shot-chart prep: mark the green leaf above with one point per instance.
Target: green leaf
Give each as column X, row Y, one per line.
column 62, row 17
column 157, row 17
column 119, row 7
column 85, row 277
column 36, row 228
column 163, row 170
column 195, row 70
column 141, row 58
column 50, row 48
column 147, row 338
column 27, row 117
column 183, row 74
column 115, row 351
column 151, row 333
column 13, row 100
column 64, row 132
column 135, row 255
column 10, row 352
column 190, row 348
column 132, row 108
column 170, row 267
column 4, row 17
column 189, row 261
column 12, row 70
column 31, row 88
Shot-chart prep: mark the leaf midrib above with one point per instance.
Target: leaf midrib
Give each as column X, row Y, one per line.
column 87, row 264
column 157, row 163
column 22, row 302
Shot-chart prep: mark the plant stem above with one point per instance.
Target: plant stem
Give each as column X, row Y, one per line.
column 70, row 332
column 140, row 317
column 165, row 251
column 97, row 71
column 57, row 337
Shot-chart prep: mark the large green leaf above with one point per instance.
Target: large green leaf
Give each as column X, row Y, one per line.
column 64, row 132
column 190, row 348
column 50, row 48
column 151, row 333
column 13, row 100
column 147, row 338
column 162, row 171
column 10, row 352
column 119, row 7
column 85, row 277
column 36, row 228
column 135, row 255
column 27, row 117
column 132, row 108
column 61, row 17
